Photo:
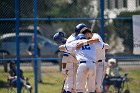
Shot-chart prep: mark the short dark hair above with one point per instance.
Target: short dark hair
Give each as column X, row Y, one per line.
column 11, row 65
column 86, row 31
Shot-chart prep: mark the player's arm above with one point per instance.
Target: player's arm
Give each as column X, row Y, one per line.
column 90, row 41
column 68, row 47
column 105, row 45
column 62, row 48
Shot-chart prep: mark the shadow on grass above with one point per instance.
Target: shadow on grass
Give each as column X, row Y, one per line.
column 3, row 84
column 46, row 83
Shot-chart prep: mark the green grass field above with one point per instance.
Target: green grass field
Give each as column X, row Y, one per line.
column 53, row 80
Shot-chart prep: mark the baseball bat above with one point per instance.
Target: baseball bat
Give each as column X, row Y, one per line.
column 62, row 90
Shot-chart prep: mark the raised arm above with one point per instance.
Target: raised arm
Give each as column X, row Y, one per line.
column 70, row 47
column 89, row 41
column 62, row 48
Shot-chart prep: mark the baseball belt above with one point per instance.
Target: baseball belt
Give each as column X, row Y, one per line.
column 85, row 62
column 99, row 61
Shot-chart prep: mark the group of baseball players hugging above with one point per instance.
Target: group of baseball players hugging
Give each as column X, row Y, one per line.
column 83, row 61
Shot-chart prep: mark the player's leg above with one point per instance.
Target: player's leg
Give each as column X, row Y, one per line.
column 70, row 80
column 81, row 78
column 64, row 87
column 91, row 78
column 99, row 77
column 63, row 69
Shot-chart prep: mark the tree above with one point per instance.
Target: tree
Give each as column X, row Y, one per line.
column 125, row 29
column 6, row 11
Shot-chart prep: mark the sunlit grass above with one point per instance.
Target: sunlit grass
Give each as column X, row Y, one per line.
column 53, row 80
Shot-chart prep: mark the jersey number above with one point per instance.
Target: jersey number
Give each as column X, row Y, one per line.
column 86, row 47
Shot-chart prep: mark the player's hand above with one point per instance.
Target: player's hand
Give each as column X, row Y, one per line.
column 64, row 71
column 79, row 45
column 62, row 47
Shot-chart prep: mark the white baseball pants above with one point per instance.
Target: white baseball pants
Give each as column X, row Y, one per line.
column 86, row 74
column 100, row 73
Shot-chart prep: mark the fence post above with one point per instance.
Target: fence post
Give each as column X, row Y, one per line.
column 17, row 8
column 102, row 28
column 35, row 46
column 102, row 19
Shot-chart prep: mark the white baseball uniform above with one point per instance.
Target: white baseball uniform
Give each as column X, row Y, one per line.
column 70, row 61
column 86, row 72
column 100, row 64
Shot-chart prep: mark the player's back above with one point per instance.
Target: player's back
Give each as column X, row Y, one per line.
column 100, row 51
column 71, row 38
column 86, row 52
column 71, row 57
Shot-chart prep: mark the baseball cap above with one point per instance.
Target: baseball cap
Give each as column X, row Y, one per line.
column 59, row 37
column 80, row 28
column 80, row 36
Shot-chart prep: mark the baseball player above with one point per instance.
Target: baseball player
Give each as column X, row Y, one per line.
column 86, row 71
column 67, row 65
column 69, row 62
column 100, row 59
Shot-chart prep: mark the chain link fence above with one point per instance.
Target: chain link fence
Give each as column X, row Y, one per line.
column 40, row 19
